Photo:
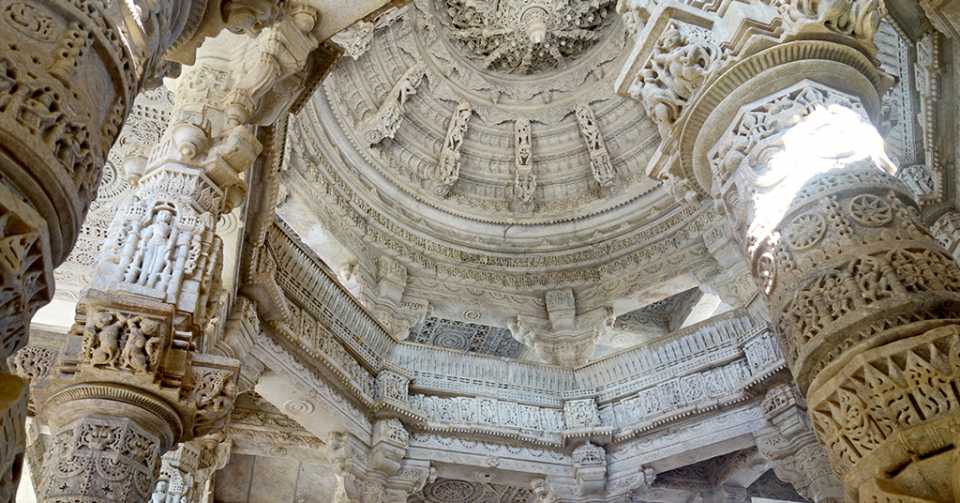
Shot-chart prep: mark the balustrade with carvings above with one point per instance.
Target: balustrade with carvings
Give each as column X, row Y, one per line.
column 781, row 135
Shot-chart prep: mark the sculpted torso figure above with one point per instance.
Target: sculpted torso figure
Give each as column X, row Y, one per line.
column 155, row 248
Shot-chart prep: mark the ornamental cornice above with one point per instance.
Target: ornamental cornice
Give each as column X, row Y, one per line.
column 697, row 370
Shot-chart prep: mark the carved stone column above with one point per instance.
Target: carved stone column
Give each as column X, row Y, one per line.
column 185, row 473
column 791, row 447
column 135, row 349
column 69, row 72
column 103, row 458
column 864, row 297
column 779, row 131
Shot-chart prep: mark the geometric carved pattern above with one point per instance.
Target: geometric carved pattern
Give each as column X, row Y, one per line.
column 483, row 339
column 101, row 459
column 884, row 396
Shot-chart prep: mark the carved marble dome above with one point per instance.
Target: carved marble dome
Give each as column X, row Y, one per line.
column 560, row 111
column 582, row 178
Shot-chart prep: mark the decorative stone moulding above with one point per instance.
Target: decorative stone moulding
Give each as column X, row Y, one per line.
column 698, row 369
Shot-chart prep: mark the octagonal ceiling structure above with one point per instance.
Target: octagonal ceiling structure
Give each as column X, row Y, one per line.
column 478, row 166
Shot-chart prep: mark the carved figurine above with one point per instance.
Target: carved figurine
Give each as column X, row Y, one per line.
column 160, row 492
column 155, row 247
column 141, row 352
column 105, row 331
column 131, row 235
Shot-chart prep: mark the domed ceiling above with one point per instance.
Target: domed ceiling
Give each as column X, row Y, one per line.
column 482, row 145
column 454, row 103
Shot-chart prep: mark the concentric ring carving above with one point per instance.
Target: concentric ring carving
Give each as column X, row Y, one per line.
column 870, row 210
column 805, row 231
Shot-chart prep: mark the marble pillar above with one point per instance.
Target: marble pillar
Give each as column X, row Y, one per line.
column 69, row 72
column 777, row 127
column 137, row 348
column 866, row 300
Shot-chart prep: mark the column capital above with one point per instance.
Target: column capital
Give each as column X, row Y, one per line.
column 693, row 68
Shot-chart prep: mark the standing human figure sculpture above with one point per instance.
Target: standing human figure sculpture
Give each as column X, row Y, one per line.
column 128, row 250
column 156, row 244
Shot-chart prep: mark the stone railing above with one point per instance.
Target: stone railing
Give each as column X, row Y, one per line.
column 697, row 369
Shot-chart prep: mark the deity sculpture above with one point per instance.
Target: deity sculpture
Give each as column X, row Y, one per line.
column 164, row 493
column 154, row 250
column 681, row 60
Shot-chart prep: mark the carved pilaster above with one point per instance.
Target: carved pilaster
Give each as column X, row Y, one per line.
column 379, row 473
column 590, row 469
column 791, row 447
column 186, row 472
column 239, row 337
column 386, row 299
